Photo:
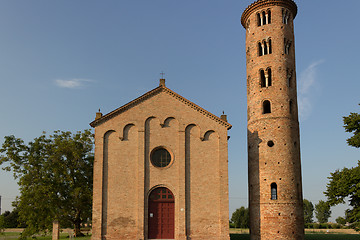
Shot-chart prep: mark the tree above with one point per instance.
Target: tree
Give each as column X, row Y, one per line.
column 308, row 211
column 11, row 219
column 340, row 220
column 322, row 211
column 345, row 184
column 55, row 178
column 241, row 218
column 352, row 124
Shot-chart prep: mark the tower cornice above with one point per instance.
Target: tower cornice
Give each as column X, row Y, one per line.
column 290, row 4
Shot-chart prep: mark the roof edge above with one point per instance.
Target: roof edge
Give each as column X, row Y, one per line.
column 151, row 93
column 290, row 4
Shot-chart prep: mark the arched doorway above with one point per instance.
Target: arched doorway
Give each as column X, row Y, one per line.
column 161, row 214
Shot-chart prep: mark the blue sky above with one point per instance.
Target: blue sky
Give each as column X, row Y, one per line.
column 63, row 60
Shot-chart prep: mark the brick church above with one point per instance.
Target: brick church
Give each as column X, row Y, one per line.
column 161, row 161
column 160, row 170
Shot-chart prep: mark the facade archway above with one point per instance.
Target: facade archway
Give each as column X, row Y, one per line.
column 161, row 214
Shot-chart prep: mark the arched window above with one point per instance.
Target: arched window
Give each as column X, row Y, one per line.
column 270, row 47
column 266, row 107
column 287, row 45
column 269, row 77
column 289, row 77
column 262, row 78
column 265, row 48
column 260, row 49
column 273, row 191
column 269, row 16
column 258, row 19
column 291, row 106
column 263, row 18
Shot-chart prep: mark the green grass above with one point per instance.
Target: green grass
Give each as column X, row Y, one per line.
column 308, row 236
column 14, row 235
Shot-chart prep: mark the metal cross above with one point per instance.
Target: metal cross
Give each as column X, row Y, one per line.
column 162, row 75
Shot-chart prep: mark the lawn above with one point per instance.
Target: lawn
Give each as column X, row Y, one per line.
column 15, row 235
column 308, row 236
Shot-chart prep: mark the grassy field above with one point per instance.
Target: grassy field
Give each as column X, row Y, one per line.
column 307, row 236
column 15, row 235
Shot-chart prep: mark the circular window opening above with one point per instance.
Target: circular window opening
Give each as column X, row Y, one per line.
column 160, row 157
column 270, row 143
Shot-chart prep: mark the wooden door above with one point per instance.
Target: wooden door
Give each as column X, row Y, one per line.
column 161, row 214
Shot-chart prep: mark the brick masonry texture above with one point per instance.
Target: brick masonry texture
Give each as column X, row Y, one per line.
column 124, row 175
column 281, row 218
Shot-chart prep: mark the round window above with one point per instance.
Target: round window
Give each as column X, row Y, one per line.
column 160, row 157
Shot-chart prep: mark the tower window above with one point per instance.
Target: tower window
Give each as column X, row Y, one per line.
column 266, row 107
column 287, row 45
column 265, row 47
column 269, row 77
column 265, row 78
column 269, row 16
column 264, row 17
column 291, row 107
column 262, row 78
column 273, row 191
column 269, row 46
column 260, row 49
column 285, row 16
column 289, row 77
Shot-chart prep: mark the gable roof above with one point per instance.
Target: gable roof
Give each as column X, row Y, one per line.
column 152, row 93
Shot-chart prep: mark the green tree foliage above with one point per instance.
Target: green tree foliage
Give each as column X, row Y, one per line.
column 345, row 184
column 240, row 218
column 322, row 211
column 308, row 211
column 352, row 125
column 54, row 174
column 11, row 219
column 340, row 220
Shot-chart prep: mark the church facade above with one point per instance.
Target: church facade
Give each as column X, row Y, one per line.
column 160, row 170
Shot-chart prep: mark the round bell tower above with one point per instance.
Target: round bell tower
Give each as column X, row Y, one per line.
column 275, row 189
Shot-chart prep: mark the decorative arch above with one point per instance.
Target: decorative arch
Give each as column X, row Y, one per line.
column 126, row 131
column 208, row 134
column 168, row 121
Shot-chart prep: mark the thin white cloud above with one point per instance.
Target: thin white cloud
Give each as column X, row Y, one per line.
column 306, row 82
column 72, row 83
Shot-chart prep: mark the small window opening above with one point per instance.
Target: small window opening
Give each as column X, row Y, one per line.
column 289, row 77
column 270, row 47
column 273, row 191
column 269, row 16
column 291, row 107
column 260, row 49
column 258, row 19
column 266, row 107
column 269, row 83
column 263, row 18
column 265, row 48
column 262, row 78
column 287, row 45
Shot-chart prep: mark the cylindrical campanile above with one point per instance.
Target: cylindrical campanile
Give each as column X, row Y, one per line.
column 275, row 189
